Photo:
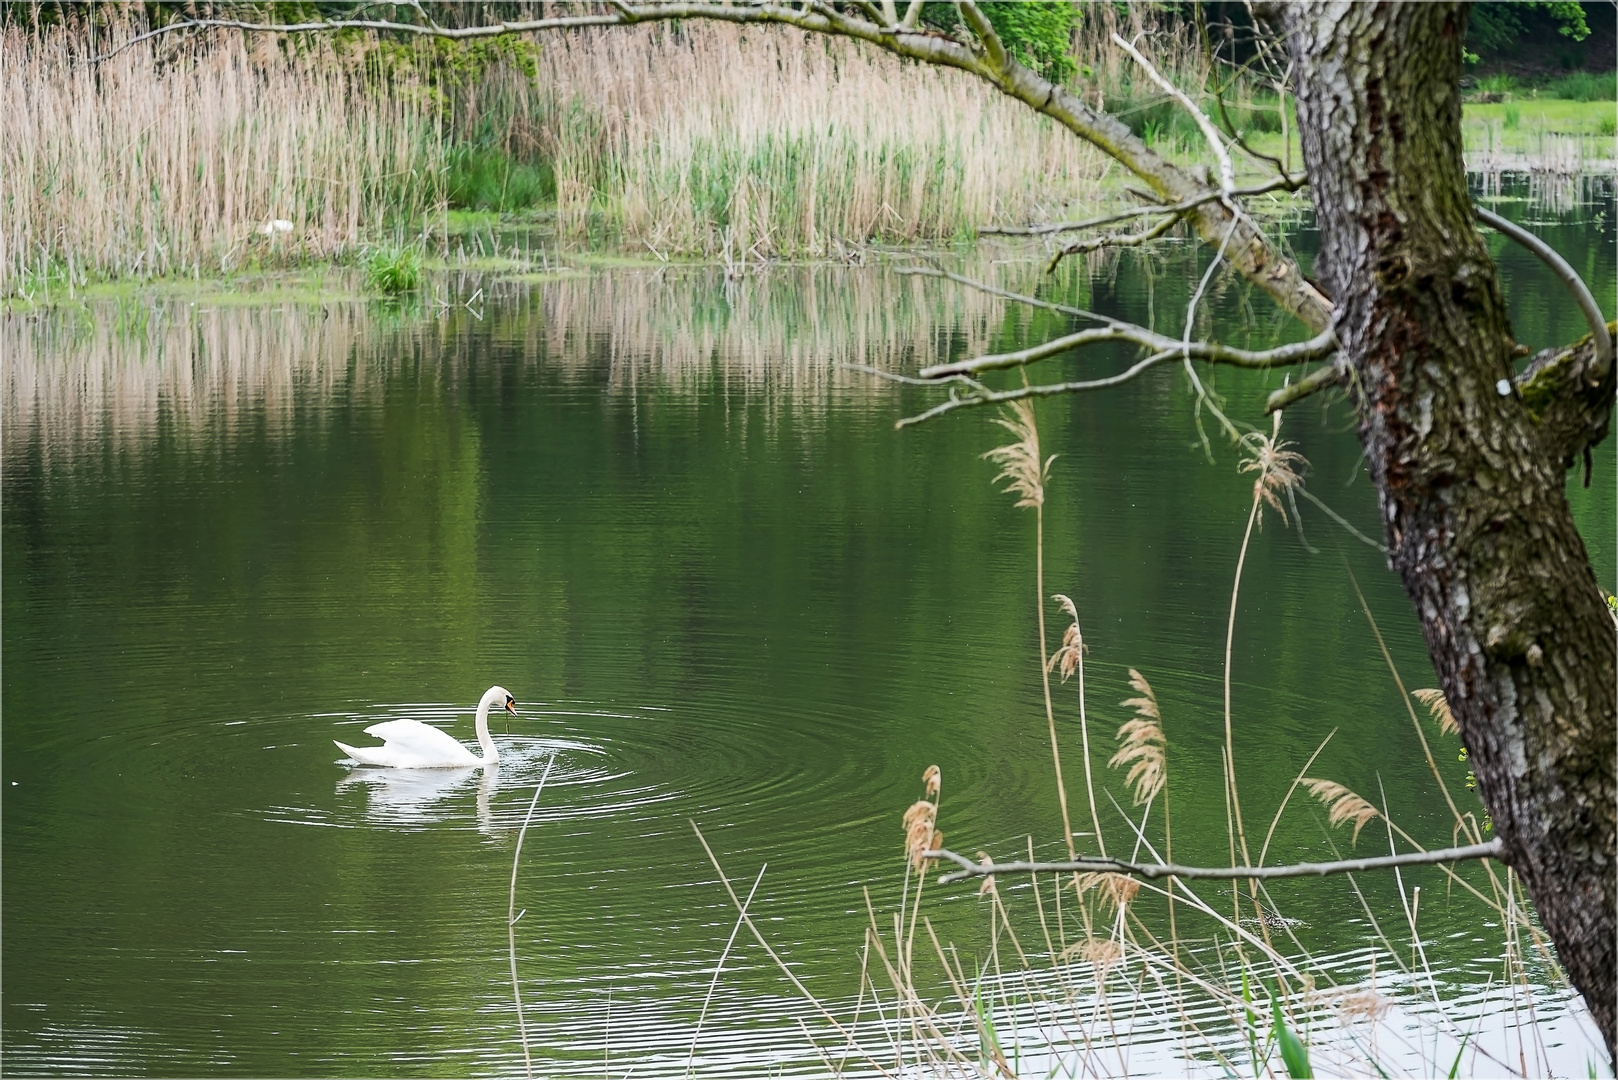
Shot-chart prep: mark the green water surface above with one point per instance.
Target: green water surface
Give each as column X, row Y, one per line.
column 723, row 590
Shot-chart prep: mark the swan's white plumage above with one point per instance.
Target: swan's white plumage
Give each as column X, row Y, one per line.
column 411, row 744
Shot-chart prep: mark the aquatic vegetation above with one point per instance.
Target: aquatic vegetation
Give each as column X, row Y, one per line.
column 394, row 270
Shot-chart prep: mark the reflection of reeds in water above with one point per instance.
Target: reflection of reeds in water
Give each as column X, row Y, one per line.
column 74, row 381
column 72, row 377
column 781, row 334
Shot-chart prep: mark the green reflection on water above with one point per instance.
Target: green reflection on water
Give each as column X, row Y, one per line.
column 722, row 588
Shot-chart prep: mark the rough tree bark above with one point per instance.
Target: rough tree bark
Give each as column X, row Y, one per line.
column 1470, row 475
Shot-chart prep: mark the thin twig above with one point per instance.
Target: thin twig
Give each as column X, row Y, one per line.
column 1114, row 240
column 1288, row 183
column 995, row 290
column 512, row 916
column 770, row 952
column 991, row 397
column 969, row 869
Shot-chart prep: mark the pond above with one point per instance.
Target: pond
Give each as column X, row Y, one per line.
column 726, row 593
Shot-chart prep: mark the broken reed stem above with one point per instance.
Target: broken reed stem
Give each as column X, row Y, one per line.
column 512, row 917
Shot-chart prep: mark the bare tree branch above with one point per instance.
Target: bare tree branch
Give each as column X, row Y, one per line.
column 1252, row 253
column 993, row 47
column 1120, row 240
column 970, row 869
column 994, row 290
column 984, row 396
column 1568, row 276
column 1227, row 172
column 1288, row 183
column 1312, row 383
column 1320, row 345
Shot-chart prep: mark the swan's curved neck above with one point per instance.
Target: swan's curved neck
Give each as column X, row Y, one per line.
column 485, row 740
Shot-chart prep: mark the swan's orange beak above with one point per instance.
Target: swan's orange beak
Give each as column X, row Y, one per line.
column 511, row 706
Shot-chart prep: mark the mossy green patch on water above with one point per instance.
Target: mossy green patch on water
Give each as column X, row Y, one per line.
column 316, row 285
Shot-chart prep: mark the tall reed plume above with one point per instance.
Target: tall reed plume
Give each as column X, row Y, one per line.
column 1025, row 473
column 1341, row 804
column 1275, row 467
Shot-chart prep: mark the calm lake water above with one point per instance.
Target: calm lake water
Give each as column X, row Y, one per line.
column 724, row 590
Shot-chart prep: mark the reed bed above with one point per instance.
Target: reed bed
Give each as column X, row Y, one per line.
column 747, row 143
column 179, row 157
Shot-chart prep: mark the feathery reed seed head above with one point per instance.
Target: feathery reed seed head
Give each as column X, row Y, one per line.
column 920, row 834
column 1143, row 746
column 1020, row 465
column 1341, row 804
column 1071, row 654
column 1438, row 705
column 1114, row 889
column 1276, row 465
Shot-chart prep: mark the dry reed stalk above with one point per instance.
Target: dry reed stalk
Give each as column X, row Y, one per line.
column 1026, row 473
column 1276, row 472
column 174, row 157
column 757, row 142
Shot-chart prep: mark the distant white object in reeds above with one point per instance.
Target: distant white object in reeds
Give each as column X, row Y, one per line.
column 274, row 226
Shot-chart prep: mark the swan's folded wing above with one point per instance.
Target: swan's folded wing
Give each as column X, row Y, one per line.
column 419, row 740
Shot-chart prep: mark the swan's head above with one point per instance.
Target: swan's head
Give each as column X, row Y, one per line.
column 499, row 695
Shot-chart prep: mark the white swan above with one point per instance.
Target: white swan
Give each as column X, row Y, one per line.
column 411, row 744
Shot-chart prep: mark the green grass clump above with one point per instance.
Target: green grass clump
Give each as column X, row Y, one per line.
column 486, row 178
column 393, row 270
column 1585, row 86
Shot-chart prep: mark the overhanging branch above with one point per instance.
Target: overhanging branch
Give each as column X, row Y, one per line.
column 1289, row 183
column 1568, row 277
column 970, row 869
column 1322, row 344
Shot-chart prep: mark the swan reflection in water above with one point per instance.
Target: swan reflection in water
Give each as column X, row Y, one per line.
column 415, row 798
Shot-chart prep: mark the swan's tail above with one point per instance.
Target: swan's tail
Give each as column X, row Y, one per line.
column 357, row 754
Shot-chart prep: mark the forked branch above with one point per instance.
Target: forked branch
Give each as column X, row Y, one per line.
column 1322, row 344
column 1288, row 183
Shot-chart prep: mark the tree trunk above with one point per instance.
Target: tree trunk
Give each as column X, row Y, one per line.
column 1471, row 494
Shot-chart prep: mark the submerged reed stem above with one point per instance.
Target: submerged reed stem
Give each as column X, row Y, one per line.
column 512, row 917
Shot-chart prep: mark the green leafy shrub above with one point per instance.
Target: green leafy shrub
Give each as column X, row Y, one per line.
column 393, row 270
column 1585, row 86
